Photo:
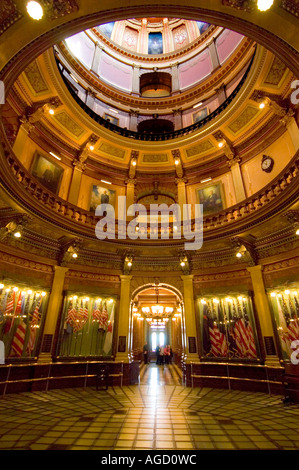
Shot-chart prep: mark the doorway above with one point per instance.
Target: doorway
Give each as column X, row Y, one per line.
column 157, row 320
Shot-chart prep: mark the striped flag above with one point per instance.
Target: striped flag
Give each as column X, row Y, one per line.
column 34, row 325
column 19, row 305
column 109, row 333
column 18, row 341
column 10, row 303
column 103, row 321
column 97, row 311
column 218, row 341
column 9, row 308
column 35, row 319
column 71, row 316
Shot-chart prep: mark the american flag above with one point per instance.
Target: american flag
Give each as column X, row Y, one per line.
column 244, row 333
column 18, row 341
column 34, row 324
column 108, row 339
column 218, row 341
column 10, row 303
column 20, row 303
column 103, row 320
column 8, row 310
column 97, row 311
column 71, row 314
column 289, row 330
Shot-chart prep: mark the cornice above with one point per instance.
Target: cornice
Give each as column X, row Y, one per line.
column 171, row 56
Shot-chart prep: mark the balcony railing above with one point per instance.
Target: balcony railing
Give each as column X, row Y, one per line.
column 151, row 136
column 272, row 199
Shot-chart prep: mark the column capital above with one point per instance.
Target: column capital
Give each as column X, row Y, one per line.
column 255, row 269
column 187, row 277
column 125, row 277
column 61, row 269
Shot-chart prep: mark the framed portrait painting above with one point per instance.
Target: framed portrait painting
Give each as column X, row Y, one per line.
column 200, row 115
column 212, row 198
column 47, row 172
column 101, row 195
column 112, row 119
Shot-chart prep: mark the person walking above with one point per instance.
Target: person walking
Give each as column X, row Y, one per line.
column 162, row 355
column 145, row 353
column 158, row 350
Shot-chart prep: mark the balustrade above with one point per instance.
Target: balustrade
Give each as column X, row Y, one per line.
column 237, row 213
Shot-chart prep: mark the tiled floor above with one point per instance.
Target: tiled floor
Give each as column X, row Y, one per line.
column 157, row 414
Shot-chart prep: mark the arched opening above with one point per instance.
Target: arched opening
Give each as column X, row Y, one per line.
column 157, row 320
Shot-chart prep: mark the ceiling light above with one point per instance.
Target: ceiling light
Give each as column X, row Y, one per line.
column 91, row 147
column 273, row 294
column 287, row 292
column 182, row 263
column 55, row 156
column 297, row 231
column 206, row 180
column 51, row 111
column 197, row 105
column 239, row 255
column 106, row 182
column 35, row 10
column 74, row 78
column 75, row 255
column 1, row 286
column 220, row 144
column 113, row 110
column 17, row 234
column 264, row 5
column 262, row 105
column 177, row 161
column 134, row 163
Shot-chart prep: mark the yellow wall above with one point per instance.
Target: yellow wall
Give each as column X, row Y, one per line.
column 254, row 178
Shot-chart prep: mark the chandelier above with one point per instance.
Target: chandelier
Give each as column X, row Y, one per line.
column 157, row 310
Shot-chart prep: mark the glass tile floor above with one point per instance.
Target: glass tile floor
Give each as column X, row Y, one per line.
column 157, row 414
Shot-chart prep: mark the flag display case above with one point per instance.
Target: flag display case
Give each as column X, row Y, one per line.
column 87, row 326
column 22, row 313
column 285, row 309
column 227, row 328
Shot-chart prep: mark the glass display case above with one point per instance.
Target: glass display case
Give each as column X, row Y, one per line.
column 87, row 326
column 227, row 327
column 22, row 312
column 285, row 308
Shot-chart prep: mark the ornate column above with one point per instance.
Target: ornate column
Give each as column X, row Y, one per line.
column 133, row 120
column 32, row 115
column 131, row 181
column 175, row 78
column 177, row 113
column 237, row 179
column 53, row 310
column 213, row 54
column 233, row 161
column 189, row 319
column 22, row 135
column 264, row 314
column 124, row 333
column 90, row 98
column 97, row 58
column 143, row 38
column 79, row 168
column 135, row 80
column 221, row 94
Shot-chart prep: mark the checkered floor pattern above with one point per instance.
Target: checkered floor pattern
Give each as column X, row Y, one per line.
column 158, row 414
